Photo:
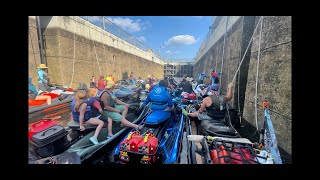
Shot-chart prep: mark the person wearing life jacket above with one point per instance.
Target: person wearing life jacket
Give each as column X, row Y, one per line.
column 43, row 79
column 84, row 110
column 215, row 105
column 36, row 95
column 115, row 108
column 160, row 99
column 214, row 77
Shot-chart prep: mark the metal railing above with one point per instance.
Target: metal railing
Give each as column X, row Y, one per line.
column 110, row 27
column 220, row 24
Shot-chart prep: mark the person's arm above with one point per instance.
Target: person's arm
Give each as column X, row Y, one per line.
column 82, row 110
column 228, row 97
column 105, row 98
column 170, row 103
column 118, row 101
column 98, row 106
column 203, row 105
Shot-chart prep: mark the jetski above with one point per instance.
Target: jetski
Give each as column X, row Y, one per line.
column 159, row 142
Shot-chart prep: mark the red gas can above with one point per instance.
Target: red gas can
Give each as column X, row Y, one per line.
column 132, row 141
column 40, row 126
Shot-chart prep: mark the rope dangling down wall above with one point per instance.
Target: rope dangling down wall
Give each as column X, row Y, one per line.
column 257, row 75
column 104, row 49
column 224, row 42
column 239, row 110
column 94, row 50
column 245, row 51
column 74, row 53
column 245, row 55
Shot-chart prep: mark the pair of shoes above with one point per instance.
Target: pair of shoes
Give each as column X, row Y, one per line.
column 109, row 136
column 94, row 140
column 184, row 112
column 140, row 127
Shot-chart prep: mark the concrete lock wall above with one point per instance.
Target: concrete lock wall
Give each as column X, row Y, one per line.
column 34, row 53
column 76, row 50
column 274, row 80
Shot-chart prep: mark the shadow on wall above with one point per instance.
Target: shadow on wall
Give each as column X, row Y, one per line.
column 124, row 75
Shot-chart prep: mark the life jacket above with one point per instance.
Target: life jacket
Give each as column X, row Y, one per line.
column 158, row 98
column 218, row 107
column 95, row 112
column 76, row 114
column 112, row 102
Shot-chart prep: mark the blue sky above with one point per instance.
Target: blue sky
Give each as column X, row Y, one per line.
column 175, row 37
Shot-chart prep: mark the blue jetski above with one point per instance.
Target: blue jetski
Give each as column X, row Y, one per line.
column 159, row 142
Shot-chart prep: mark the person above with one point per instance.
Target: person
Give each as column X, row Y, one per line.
column 200, row 78
column 214, row 77
column 109, row 78
column 101, row 84
column 115, row 108
column 169, row 85
column 43, row 79
column 84, row 113
column 97, row 110
column 186, row 85
column 36, row 95
column 93, row 83
column 215, row 105
column 132, row 78
column 160, row 99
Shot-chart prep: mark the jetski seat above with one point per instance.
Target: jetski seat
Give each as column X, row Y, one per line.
column 157, row 117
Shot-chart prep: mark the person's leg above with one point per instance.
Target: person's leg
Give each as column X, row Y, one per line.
column 47, row 87
column 44, row 97
column 129, row 124
column 124, row 112
column 98, row 122
column 110, row 127
column 124, row 108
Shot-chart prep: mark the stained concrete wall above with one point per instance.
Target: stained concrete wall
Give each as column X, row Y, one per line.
column 227, row 62
column 34, row 53
column 274, row 76
column 274, row 70
column 76, row 50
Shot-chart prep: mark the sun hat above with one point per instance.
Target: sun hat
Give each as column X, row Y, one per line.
column 42, row 66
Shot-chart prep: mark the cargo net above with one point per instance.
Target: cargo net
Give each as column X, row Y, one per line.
column 139, row 148
column 227, row 152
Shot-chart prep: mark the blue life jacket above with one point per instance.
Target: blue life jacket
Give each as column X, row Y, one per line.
column 160, row 98
column 95, row 112
column 76, row 114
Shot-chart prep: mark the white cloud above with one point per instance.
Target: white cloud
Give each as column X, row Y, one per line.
column 143, row 39
column 181, row 40
column 168, row 52
column 128, row 24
